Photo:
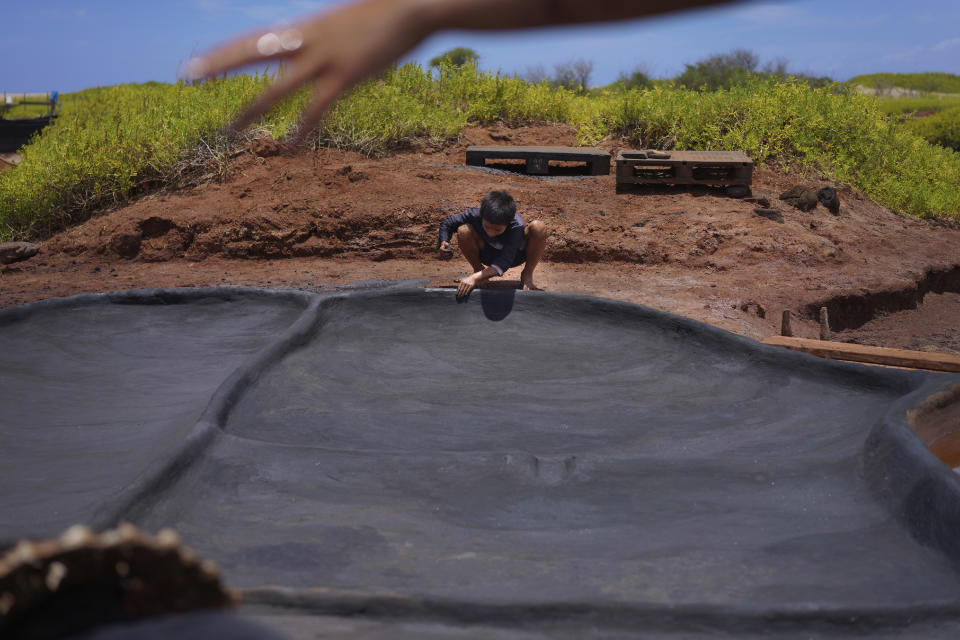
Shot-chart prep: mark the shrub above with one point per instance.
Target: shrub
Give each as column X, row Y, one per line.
column 455, row 58
column 942, row 128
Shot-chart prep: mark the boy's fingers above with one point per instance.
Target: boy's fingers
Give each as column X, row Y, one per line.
column 256, row 47
column 270, row 97
column 323, row 96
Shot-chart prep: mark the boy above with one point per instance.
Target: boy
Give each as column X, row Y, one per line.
column 493, row 238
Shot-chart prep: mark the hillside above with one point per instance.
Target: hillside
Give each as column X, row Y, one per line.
column 321, row 220
column 933, row 82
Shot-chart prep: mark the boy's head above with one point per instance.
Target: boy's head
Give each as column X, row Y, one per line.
column 498, row 207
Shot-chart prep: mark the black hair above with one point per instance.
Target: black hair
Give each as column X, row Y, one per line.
column 498, row 207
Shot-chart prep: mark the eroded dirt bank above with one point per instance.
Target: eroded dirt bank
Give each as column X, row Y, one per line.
column 321, row 220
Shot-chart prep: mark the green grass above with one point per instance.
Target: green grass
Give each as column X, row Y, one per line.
column 112, row 143
column 906, row 105
column 942, row 128
column 926, row 82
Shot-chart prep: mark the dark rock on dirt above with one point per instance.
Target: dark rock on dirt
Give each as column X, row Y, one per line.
column 803, row 198
column 16, row 251
column 155, row 226
column 828, row 198
column 770, row 214
column 759, row 198
column 126, row 245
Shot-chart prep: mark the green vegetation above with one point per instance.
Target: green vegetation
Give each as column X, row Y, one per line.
column 926, row 82
column 112, row 143
column 843, row 134
column 455, row 58
column 737, row 68
column 942, row 128
column 905, row 105
column 108, row 142
column 636, row 79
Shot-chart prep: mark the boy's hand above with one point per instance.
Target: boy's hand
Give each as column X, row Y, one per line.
column 467, row 284
column 446, row 249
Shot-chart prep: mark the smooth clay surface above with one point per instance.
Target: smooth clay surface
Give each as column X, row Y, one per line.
column 512, row 463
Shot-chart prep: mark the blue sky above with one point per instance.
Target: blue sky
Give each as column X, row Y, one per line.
column 69, row 46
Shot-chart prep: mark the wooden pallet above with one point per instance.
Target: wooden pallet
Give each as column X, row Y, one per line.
column 715, row 168
column 538, row 158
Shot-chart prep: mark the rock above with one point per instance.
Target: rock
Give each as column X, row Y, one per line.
column 770, row 214
column 803, row 198
column 828, row 198
column 759, row 198
column 126, row 245
column 155, row 226
column 829, row 251
column 738, row 191
column 17, row 251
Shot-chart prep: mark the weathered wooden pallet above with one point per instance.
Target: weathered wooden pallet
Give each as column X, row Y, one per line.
column 717, row 168
column 538, row 158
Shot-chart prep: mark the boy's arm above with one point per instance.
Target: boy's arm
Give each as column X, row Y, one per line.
column 449, row 226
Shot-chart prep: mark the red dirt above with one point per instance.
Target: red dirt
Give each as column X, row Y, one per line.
column 319, row 220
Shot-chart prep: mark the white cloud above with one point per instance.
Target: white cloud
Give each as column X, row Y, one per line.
column 947, row 44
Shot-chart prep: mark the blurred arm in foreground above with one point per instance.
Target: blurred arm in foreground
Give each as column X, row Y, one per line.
column 336, row 50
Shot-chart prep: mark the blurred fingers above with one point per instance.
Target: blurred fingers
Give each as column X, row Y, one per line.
column 325, row 92
column 258, row 47
column 280, row 88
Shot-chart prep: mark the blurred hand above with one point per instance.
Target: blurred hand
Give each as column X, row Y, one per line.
column 446, row 249
column 333, row 51
column 336, row 50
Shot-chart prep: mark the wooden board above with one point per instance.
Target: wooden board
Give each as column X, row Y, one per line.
column 870, row 355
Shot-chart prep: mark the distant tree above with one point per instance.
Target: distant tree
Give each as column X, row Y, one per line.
column 573, row 75
column 720, row 71
column 636, row 79
column 535, row 74
column 776, row 67
column 726, row 70
column 455, row 57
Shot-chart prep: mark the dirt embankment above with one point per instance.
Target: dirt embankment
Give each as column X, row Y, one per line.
column 320, row 220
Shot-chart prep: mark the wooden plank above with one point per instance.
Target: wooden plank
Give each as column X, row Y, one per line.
column 870, row 355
